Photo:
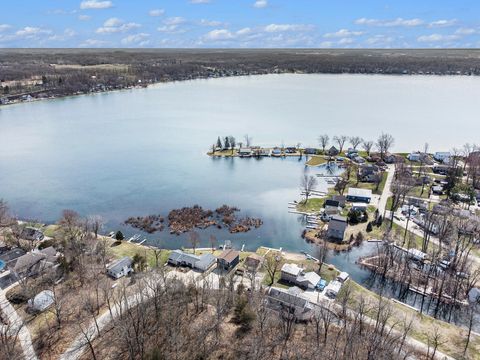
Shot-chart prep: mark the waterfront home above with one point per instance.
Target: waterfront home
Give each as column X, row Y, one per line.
column 290, row 272
column 368, row 173
column 343, row 277
column 352, row 153
column 42, row 301
column 202, row 262
column 336, row 227
column 333, row 151
column 441, row 169
column 120, row 268
column 359, row 195
column 294, row 274
column 245, row 152
column 310, row 151
column 228, row 259
column 290, row 302
column 416, row 254
column 253, row 262
column 389, row 158
column 34, row 262
column 263, row 152
column 333, row 288
column 359, row 160
column 276, row 152
column 32, row 234
column 442, row 156
column 414, row 156
column 290, row 150
column 359, row 207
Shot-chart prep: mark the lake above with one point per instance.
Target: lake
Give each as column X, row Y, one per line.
column 143, row 151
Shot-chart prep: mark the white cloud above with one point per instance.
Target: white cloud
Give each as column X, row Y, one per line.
column 205, row 22
column 219, row 34
column 177, row 20
column 172, row 25
column 346, row 41
column 156, row 12
column 260, row 4
column 4, row 27
column 67, row 34
column 390, row 23
column 379, row 40
column 273, row 28
column 442, row 23
column 465, row 31
column 326, row 44
column 437, row 38
column 140, row 39
column 95, row 4
column 199, row 1
column 84, row 17
column 343, row 33
column 29, row 32
column 93, row 43
column 115, row 25
column 244, row 31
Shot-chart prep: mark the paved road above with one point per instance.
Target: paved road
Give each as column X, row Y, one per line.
column 387, row 192
column 17, row 325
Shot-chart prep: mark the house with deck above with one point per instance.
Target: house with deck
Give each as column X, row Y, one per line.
column 359, row 195
column 120, row 268
column 199, row 262
column 228, row 259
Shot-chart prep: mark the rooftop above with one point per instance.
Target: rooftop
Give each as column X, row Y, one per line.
column 229, row 255
column 360, row 192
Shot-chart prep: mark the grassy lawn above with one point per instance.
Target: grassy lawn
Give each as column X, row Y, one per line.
column 50, row 230
column 362, row 185
column 417, row 192
column 398, row 232
column 423, row 326
column 316, row 160
column 129, row 249
column 312, row 205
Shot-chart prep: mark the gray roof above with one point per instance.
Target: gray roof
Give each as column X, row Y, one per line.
column 206, row 260
column 118, row 265
column 367, row 193
column 286, row 297
column 180, row 256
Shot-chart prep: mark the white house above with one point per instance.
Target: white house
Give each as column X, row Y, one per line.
column 120, row 268
column 343, row 277
column 308, row 280
column 293, row 274
column 442, row 156
column 359, row 195
column 290, row 272
column 414, row 156
column 333, row 288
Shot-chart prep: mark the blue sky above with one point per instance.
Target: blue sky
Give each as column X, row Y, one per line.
column 240, row 23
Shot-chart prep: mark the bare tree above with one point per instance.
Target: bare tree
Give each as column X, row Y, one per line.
column 213, row 242
column 4, row 213
column 308, row 184
column 355, row 141
column 272, row 265
column 96, row 223
column 323, row 140
column 194, row 239
column 384, row 143
column 367, row 146
column 340, row 140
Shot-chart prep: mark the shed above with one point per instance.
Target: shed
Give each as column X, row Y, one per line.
column 343, row 276
column 333, row 288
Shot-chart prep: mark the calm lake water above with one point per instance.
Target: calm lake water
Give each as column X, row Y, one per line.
column 143, row 151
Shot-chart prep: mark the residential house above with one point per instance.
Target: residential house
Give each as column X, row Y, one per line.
column 389, row 158
column 437, row 190
column 228, row 259
column 343, row 277
column 368, row 173
column 253, row 262
column 290, row 272
column 293, row 274
column 34, row 262
column 333, row 151
column 337, row 227
column 414, row 156
column 441, row 169
column 245, row 152
column 442, row 156
column 333, row 288
column 331, row 207
column 359, row 160
column 310, row 151
column 359, row 195
column 120, row 268
column 341, row 200
column 290, row 302
column 32, row 234
column 202, row 262
column 42, row 301
column 276, row 152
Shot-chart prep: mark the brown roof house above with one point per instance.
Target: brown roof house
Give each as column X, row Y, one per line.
column 253, row 262
column 228, row 259
column 34, row 262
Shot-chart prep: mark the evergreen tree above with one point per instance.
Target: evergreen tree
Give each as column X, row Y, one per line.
column 119, row 235
column 227, row 143
column 219, row 143
column 369, row 227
